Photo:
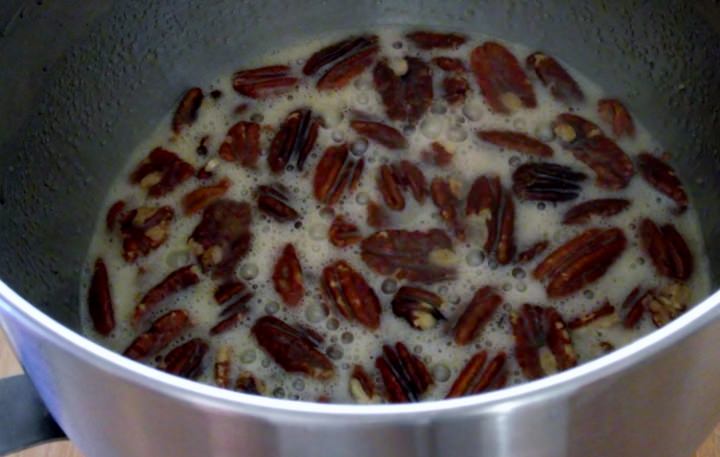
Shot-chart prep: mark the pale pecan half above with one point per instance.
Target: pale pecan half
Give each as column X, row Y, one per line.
column 516, row 141
column 221, row 368
column 437, row 155
column 180, row 279
column 394, row 178
column 248, row 383
column 408, row 96
column 273, row 200
column 663, row 178
column 668, row 302
column 667, row 249
column 198, row 199
column 604, row 310
column 413, row 255
column 187, row 111
column 419, row 307
column 186, row 360
column 144, row 229
column 542, row 343
column 614, row 113
column 546, row 181
column 343, row 233
column 476, row 315
column 165, row 329
column 502, row 80
column 388, row 136
column 405, row 376
column 160, row 172
column 113, row 213
column 580, row 261
column 264, row 82
column 337, row 172
column 291, row 349
column 488, row 199
column 603, row 207
column 476, row 376
column 436, row 40
column 362, row 387
column 445, row 196
column 242, row 144
column 532, row 251
column 295, row 138
column 561, row 85
column 345, row 60
column 353, row 297
column 100, row 303
column 287, row 276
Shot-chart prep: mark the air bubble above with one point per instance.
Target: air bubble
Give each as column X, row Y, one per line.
column 359, row 146
column 545, row 132
column 249, row 271
column 507, row 287
column 473, row 111
column 279, row 392
column 417, row 349
column 514, row 161
column 332, row 324
column 588, row 294
column 177, row 259
column 518, row 273
column 475, row 258
column 456, row 134
column 248, row 356
column 389, row 286
column 519, row 124
column 347, row 338
column 408, row 130
column 541, row 206
column 315, row 313
column 362, row 198
column 337, row 136
column 318, row 232
column 492, row 264
column 397, row 45
column 298, row 385
column 272, row 307
column 265, row 363
column 431, row 127
column 440, row 372
column 521, row 287
column 438, row 108
column 257, row 117
column 335, row 352
column 363, row 99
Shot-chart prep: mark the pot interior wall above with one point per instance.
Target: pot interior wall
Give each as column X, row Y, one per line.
column 82, row 82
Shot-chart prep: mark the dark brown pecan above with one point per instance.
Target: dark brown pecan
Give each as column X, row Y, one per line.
column 287, row 276
column 405, row 376
column 413, row 255
column 437, row 155
column 502, row 80
column 361, row 386
column 165, row 329
column 561, row 85
column 113, row 213
column 228, row 290
column 201, row 197
column 580, row 261
column 604, row 310
column 668, row 302
column 575, row 131
column 100, row 303
column 338, row 51
column 536, row 328
column 178, row 280
column 546, row 181
column 487, row 199
column 476, row 315
column 337, row 172
column 445, row 195
column 604, row 207
column 242, row 144
column 533, row 251
column 187, row 111
column 248, row 383
column 389, row 187
column 343, row 233
column 614, row 113
column 394, row 178
column 291, row 348
column 435, row 40
column 376, row 215
column 223, row 236
column 353, row 297
column 295, row 139
column 232, row 315
column 186, row 359
column 221, row 368
column 160, row 172
column 634, row 306
column 663, row 178
column 419, row 307
column 667, row 249
column 516, row 141
column 474, row 379
column 408, row 96
column 449, row 64
column 264, row 82
column 274, row 201
column 144, row 229
column 344, row 61
column 388, row 136
column 455, row 88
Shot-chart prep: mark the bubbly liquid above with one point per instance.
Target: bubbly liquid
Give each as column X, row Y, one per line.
column 348, row 343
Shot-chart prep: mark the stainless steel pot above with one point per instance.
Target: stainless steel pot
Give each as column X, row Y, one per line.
column 81, row 82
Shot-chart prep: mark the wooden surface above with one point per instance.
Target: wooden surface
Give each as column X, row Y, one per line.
column 9, row 366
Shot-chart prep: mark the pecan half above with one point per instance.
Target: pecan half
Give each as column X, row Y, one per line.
column 291, row 348
column 405, row 376
column 412, row 255
column 455, row 88
column 160, row 172
column 228, row 290
column 295, row 139
column 201, row 197
column 394, row 178
column 343, row 233
column 634, row 305
column 388, row 136
column 476, row 315
column 232, row 315
column 450, row 64
column 223, row 236
column 221, row 369
column 113, row 213
column 663, row 178
column 561, row 85
column 144, row 229
column 533, row 251
column 376, row 215
column 435, row 40
column 488, row 199
column 345, row 60
column 165, row 329
column 604, row 207
column 264, row 82
column 542, row 343
column 287, row 276
column 351, row 294
column 437, row 155
column 546, row 181
column 336, row 172
column 337, row 51
column 502, row 80
column 408, row 96
column 248, row 383
column 474, row 379
column 668, row 303
column 667, row 249
column 580, row 261
column 100, row 304
column 445, row 195
column 419, row 307
column 274, row 201
column 186, row 359
column 516, row 141
column 178, row 280
column 614, row 113
column 604, row 310
column 362, row 387
column 242, row 144
column 187, row 111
